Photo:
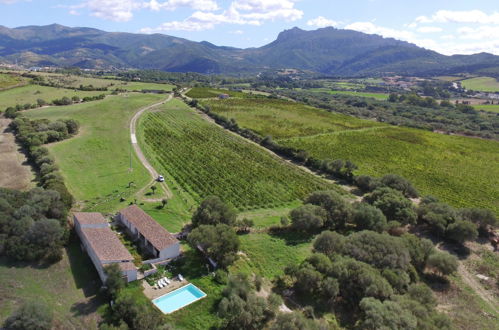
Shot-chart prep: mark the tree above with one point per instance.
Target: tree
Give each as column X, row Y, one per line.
column 114, row 281
column 367, row 183
column 219, row 242
column 385, row 315
column 379, row 250
column 293, row 321
column 368, row 217
column 438, row 215
column 419, row 250
column 358, row 280
column 241, row 308
column 30, row 316
column 153, row 188
column 164, row 201
column 399, row 183
column 337, row 208
column 308, row 217
column 443, row 263
column 482, row 217
column 213, row 211
column 329, row 243
column 394, row 205
column 462, row 231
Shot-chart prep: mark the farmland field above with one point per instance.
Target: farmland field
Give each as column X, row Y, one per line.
column 76, row 81
column 31, row 93
column 378, row 96
column 283, row 119
column 95, row 164
column 459, row 170
column 8, row 80
column 483, row 84
column 206, row 160
column 487, row 107
column 206, row 92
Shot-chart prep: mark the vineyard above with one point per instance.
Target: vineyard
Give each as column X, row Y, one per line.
column 206, row 160
column 206, row 92
column 459, row 170
column 284, row 119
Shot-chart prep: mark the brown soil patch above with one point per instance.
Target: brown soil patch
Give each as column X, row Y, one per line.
column 15, row 173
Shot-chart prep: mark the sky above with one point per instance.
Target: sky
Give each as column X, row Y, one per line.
column 446, row 26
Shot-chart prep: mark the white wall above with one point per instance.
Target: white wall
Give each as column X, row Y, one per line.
column 170, row 252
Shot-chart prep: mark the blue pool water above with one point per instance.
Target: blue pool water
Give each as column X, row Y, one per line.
column 179, row 298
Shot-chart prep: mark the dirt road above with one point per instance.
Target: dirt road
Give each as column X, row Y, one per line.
column 140, row 154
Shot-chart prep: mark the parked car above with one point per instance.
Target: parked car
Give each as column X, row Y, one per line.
column 161, row 178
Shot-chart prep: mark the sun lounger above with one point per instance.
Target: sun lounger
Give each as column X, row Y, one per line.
column 180, row 277
column 167, row 280
column 160, row 284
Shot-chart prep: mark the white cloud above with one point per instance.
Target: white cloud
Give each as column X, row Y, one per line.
column 370, row 28
column 9, row 2
column 430, row 29
column 112, row 10
column 470, row 16
column 238, row 32
column 484, row 32
column 205, row 5
column 241, row 12
column 321, row 22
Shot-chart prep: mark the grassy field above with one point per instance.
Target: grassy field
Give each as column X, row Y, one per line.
column 95, row 164
column 206, row 92
column 267, row 255
column 284, row 119
column 459, row 170
column 76, row 81
column 483, row 84
column 9, row 80
column 206, row 160
column 69, row 288
column 31, row 93
column 488, row 107
column 449, row 78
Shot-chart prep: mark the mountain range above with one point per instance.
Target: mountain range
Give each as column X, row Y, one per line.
column 327, row 51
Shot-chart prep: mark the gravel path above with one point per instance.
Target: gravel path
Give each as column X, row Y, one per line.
column 140, row 154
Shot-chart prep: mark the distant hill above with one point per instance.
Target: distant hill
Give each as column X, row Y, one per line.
column 328, row 51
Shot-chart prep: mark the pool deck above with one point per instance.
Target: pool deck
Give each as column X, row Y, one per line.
column 153, row 293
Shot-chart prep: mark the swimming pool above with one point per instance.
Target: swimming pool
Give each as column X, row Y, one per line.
column 179, row 298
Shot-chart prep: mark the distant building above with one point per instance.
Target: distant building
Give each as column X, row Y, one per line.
column 152, row 236
column 223, row 96
column 102, row 244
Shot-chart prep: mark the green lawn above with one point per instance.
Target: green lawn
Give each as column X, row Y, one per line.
column 487, row 107
column 267, row 255
column 68, row 288
column 483, row 84
column 204, row 159
column 31, row 93
column 95, row 164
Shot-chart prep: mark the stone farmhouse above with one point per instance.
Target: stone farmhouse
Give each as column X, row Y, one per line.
column 152, row 236
column 102, row 244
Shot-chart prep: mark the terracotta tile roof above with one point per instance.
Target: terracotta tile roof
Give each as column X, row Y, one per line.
column 158, row 236
column 89, row 218
column 106, row 245
column 127, row 266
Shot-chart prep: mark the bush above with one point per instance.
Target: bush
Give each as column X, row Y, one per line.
column 442, row 263
column 308, row 217
column 329, row 243
column 213, row 211
column 30, row 316
column 337, row 208
column 368, row 217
